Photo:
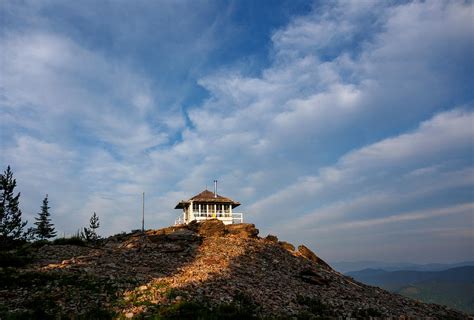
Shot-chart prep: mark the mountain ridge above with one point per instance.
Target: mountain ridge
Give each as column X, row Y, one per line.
column 350, row 266
column 452, row 287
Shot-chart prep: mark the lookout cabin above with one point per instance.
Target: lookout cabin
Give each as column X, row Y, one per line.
column 208, row 205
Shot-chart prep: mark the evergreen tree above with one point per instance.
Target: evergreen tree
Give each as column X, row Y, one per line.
column 90, row 234
column 11, row 226
column 44, row 228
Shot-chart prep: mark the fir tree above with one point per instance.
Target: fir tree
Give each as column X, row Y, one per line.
column 90, row 234
column 44, row 228
column 11, row 226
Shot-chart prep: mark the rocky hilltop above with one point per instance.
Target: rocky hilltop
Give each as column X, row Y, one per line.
column 198, row 271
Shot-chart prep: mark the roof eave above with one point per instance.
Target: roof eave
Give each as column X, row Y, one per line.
column 181, row 204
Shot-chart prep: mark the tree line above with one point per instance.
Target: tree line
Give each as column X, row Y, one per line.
column 12, row 226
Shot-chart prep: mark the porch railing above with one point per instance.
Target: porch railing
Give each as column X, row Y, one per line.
column 235, row 217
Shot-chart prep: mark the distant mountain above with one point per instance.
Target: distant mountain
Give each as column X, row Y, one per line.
column 348, row 266
column 453, row 287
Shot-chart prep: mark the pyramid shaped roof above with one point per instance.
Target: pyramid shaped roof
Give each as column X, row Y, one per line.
column 207, row 197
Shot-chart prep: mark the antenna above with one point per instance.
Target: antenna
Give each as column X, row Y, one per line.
column 143, row 212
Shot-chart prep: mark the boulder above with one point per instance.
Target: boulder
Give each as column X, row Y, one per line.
column 286, row 245
column 271, row 238
column 310, row 255
column 193, row 225
column 169, row 233
column 310, row 276
column 243, row 230
column 210, row 228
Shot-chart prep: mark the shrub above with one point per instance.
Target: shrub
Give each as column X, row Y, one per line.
column 365, row 313
column 15, row 258
column 315, row 307
column 74, row 240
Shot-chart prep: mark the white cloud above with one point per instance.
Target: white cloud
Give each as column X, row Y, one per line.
column 406, row 216
column 61, row 84
column 386, row 165
column 348, row 76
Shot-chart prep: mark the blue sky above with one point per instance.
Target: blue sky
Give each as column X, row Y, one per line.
column 346, row 126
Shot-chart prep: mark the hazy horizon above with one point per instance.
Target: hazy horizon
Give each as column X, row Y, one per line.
column 346, row 126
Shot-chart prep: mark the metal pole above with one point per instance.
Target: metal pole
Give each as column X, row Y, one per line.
column 143, row 212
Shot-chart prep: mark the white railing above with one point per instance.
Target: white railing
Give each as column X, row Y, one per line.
column 179, row 220
column 227, row 218
column 212, row 215
column 238, row 217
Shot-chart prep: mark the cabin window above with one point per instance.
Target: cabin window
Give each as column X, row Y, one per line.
column 212, row 208
column 219, row 208
column 226, row 208
column 195, row 207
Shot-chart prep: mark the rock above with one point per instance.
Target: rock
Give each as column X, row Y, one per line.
column 170, row 233
column 271, row 238
column 309, row 276
column 184, row 235
column 310, row 255
column 193, row 225
column 286, row 245
column 243, row 230
column 170, row 247
column 129, row 315
column 211, row 228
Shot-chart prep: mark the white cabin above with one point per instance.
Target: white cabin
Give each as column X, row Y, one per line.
column 208, row 205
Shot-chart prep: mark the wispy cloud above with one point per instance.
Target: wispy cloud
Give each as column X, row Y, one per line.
column 361, row 113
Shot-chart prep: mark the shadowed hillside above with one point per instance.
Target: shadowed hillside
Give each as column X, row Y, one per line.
column 199, row 271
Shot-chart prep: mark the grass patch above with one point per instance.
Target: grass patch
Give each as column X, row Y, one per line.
column 199, row 311
column 365, row 313
column 316, row 309
column 241, row 308
column 43, row 303
column 172, row 293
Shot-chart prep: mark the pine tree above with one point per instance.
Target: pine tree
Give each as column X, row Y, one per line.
column 11, row 226
column 90, row 234
column 44, row 228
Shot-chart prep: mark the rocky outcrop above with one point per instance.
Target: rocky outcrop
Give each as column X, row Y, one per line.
column 271, row 238
column 216, row 228
column 286, row 245
column 308, row 254
column 243, row 230
column 312, row 277
column 208, row 228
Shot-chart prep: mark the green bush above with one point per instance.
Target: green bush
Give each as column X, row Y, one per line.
column 182, row 310
column 194, row 310
column 75, row 240
column 39, row 243
column 16, row 258
column 314, row 307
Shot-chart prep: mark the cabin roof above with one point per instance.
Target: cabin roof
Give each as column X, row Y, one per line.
column 207, row 197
